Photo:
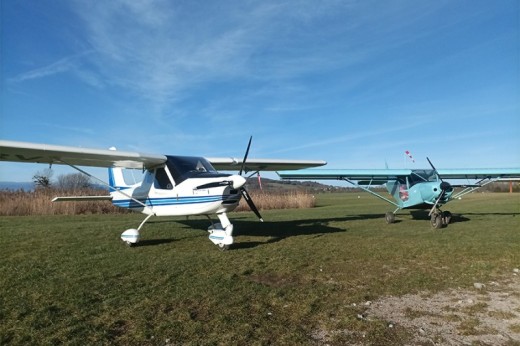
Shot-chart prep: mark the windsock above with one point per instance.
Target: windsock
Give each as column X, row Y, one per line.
column 259, row 181
column 409, row 155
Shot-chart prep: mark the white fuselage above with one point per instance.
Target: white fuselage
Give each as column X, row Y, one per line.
column 182, row 199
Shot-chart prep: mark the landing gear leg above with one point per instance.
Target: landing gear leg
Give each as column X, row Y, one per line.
column 221, row 234
column 131, row 236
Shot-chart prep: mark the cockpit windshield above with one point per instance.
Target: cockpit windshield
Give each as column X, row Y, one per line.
column 183, row 167
column 422, row 175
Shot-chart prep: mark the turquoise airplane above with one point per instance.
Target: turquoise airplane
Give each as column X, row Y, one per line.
column 411, row 188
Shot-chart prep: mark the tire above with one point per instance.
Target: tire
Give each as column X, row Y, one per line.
column 223, row 247
column 390, row 217
column 436, row 221
column 446, row 218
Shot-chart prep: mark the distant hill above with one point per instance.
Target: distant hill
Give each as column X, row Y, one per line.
column 13, row 185
column 270, row 185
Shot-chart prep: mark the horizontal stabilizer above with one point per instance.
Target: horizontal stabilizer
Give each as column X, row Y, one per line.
column 81, row 198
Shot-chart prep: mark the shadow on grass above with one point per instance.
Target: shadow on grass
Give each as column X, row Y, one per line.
column 276, row 230
column 152, row 242
column 423, row 215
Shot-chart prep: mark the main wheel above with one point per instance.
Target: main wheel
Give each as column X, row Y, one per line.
column 436, row 221
column 390, row 217
column 446, row 217
column 223, row 247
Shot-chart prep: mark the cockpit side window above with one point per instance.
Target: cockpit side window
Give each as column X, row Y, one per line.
column 162, row 181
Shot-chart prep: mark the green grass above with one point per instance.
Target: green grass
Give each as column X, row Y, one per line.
column 69, row 279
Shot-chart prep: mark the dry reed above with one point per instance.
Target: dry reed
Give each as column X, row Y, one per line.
column 38, row 202
column 277, row 200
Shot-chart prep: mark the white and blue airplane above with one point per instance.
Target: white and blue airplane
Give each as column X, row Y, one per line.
column 412, row 188
column 171, row 186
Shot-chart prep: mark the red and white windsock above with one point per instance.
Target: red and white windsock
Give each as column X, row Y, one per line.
column 409, row 155
column 259, row 180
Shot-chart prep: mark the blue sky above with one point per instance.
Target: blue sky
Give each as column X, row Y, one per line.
column 355, row 83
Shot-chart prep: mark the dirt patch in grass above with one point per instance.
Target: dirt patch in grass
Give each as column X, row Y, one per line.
column 487, row 314
column 273, row 280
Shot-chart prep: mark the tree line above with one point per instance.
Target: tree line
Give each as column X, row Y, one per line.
column 66, row 182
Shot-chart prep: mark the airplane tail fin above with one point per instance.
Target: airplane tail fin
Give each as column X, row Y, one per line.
column 116, row 179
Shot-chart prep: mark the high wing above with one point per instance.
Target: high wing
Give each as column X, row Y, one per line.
column 380, row 175
column 479, row 173
column 392, row 174
column 76, row 156
column 253, row 165
column 55, row 154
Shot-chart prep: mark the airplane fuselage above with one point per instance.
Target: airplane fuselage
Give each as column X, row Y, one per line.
column 184, row 186
column 421, row 195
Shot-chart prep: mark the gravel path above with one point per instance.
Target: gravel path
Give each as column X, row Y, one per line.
column 487, row 314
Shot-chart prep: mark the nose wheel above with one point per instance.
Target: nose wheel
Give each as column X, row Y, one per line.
column 223, row 247
column 440, row 219
column 221, row 234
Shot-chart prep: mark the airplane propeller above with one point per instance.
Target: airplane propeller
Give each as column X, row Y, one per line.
column 237, row 182
column 243, row 190
column 445, row 186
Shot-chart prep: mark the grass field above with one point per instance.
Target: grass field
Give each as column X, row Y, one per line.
column 69, row 279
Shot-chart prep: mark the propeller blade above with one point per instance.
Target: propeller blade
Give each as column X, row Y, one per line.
column 431, row 164
column 245, row 156
column 214, row 184
column 434, row 169
column 250, row 203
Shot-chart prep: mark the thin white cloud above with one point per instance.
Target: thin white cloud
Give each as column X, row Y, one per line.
column 72, row 64
column 159, row 49
column 61, row 66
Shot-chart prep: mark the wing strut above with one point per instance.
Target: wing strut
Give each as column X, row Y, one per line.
column 367, row 189
column 471, row 188
column 110, row 187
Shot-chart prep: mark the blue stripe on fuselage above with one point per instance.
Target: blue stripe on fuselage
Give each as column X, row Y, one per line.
column 128, row 203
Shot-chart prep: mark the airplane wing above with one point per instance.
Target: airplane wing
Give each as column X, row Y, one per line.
column 479, row 173
column 379, row 175
column 253, row 165
column 54, row 154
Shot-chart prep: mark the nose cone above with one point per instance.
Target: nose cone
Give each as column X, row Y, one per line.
column 238, row 181
column 446, row 186
column 445, row 191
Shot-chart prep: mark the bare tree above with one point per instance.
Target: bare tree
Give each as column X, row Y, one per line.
column 73, row 181
column 42, row 179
